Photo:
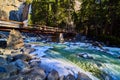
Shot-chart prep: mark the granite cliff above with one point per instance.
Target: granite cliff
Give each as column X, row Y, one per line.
column 16, row 10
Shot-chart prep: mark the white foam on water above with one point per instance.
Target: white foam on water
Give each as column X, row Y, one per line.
column 63, row 66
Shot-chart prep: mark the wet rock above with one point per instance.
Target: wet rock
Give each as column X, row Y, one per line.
column 7, row 52
column 62, row 78
column 3, row 43
column 24, row 57
column 1, row 53
column 78, row 37
column 2, row 36
column 15, row 40
column 26, row 71
column 98, row 64
column 85, row 55
column 53, row 75
column 83, row 38
column 118, row 57
column 15, row 77
column 3, row 60
column 9, row 58
column 29, row 50
column 11, row 69
column 27, row 46
column 70, row 77
column 82, row 76
column 97, row 44
column 21, row 64
column 40, row 72
column 15, row 51
column 4, row 75
column 33, row 77
column 34, row 63
column 2, row 69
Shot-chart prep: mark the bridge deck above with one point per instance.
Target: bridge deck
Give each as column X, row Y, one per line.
column 7, row 25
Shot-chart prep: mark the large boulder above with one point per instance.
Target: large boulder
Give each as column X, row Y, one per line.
column 62, row 77
column 21, row 64
column 53, row 75
column 34, row 63
column 35, row 73
column 3, row 43
column 2, row 69
column 33, row 77
column 15, row 77
column 15, row 40
column 70, row 77
column 3, row 60
column 4, row 75
column 82, row 76
column 9, row 58
column 24, row 57
column 11, row 69
column 39, row 71
column 2, row 36
column 28, row 50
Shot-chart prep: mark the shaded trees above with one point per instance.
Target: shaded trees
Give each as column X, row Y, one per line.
column 52, row 12
column 100, row 17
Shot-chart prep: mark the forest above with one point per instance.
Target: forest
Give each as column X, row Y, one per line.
column 60, row 40
column 96, row 19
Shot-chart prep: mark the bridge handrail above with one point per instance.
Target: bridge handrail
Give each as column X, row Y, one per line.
column 17, row 22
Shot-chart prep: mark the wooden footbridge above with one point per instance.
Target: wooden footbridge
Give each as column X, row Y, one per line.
column 7, row 25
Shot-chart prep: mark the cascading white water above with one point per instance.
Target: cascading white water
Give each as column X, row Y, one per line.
column 28, row 19
column 106, row 62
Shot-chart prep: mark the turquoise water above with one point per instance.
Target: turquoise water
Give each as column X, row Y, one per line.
column 103, row 65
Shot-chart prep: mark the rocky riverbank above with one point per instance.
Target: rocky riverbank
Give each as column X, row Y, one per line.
column 21, row 65
column 17, row 62
column 29, row 59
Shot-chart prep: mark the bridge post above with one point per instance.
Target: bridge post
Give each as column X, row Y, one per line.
column 61, row 38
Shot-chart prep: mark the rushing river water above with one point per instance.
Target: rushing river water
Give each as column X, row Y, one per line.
column 103, row 65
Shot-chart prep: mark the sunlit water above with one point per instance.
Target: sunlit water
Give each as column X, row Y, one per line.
column 107, row 62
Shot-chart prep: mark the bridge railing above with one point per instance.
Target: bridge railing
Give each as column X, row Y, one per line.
column 49, row 29
column 19, row 25
column 10, row 23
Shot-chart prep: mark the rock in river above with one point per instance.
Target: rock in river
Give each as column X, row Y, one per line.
column 82, row 76
column 15, row 40
column 53, row 75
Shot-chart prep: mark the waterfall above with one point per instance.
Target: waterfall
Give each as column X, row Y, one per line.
column 26, row 22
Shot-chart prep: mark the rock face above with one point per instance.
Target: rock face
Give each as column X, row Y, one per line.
column 13, row 10
column 15, row 40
